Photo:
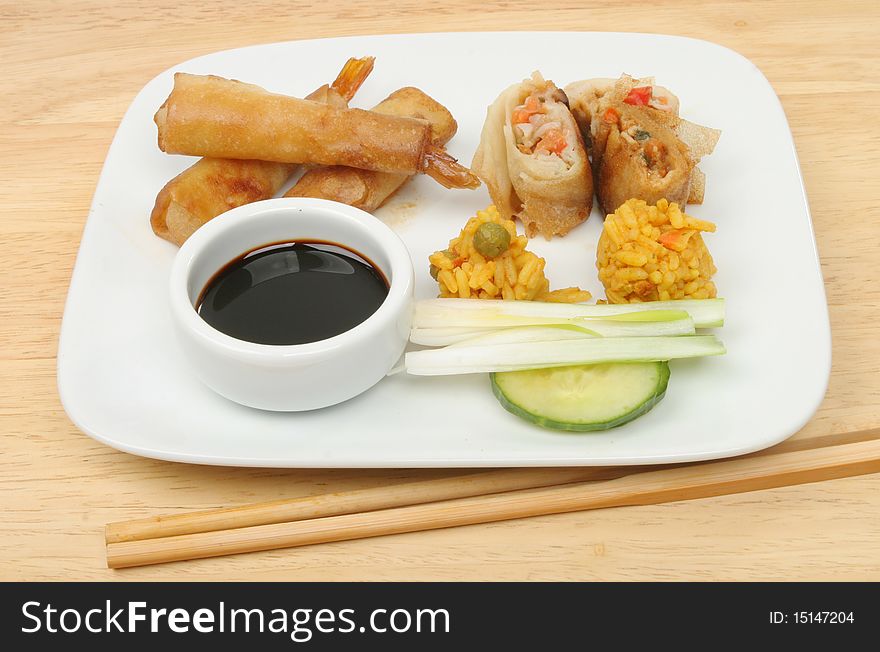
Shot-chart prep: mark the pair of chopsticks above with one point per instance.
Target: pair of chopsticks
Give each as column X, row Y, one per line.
column 483, row 497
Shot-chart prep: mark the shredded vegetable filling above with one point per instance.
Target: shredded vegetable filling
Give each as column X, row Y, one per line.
column 653, row 151
column 541, row 126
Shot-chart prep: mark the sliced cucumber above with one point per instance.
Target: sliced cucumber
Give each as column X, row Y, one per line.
column 585, row 397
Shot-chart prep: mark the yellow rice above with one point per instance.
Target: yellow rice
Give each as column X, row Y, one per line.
column 651, row 253
column 515, row 274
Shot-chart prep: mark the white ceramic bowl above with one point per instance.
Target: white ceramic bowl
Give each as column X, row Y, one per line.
column 298, row 376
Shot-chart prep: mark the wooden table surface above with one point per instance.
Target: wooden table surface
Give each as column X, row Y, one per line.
column 69, row 70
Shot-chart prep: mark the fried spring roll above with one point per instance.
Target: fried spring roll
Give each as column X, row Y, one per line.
column 641, row 148
column 639, row 158
column 212, row 186
column 212, row 116
column 368, row 189
column 532, row 158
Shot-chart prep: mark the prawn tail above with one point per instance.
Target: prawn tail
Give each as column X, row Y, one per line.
column 438, row 164
column 352, row 75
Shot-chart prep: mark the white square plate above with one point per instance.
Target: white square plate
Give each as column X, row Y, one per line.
column 124, row 381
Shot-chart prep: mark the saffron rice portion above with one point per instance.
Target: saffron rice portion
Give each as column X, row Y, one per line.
column 515, row 274
column 654, row 253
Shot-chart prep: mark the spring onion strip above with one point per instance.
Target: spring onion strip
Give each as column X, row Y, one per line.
column 537, row 355
column 467, row 313
column 554, row 333
column 449, row 336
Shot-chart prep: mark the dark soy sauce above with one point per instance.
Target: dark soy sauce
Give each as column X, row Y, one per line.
column 292, row 293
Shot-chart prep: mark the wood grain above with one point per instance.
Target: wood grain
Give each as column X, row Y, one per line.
column 419, row 515
column 69, row 71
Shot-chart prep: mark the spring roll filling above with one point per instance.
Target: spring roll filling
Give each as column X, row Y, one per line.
column 651, row 151
column 543, row 128
column 653, row 96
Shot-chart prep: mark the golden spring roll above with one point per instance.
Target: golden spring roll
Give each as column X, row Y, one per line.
column 642, row 100
column 532, row 158
column 368, row 189
column 212, row 116
column 584, row 97
column 638, row 158
column 212, row 186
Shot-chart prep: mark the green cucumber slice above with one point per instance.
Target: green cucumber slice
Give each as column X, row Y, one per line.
column 582, row 398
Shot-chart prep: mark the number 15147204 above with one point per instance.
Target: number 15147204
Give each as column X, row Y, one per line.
column 805, row 617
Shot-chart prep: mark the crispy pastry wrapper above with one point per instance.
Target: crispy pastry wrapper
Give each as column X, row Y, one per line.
column 210, row 187
column 550, row 197
column 368, row 189
column 221, row 118
column 592, row 97
column 701, row 142
column 621, row 172
column 214, row 185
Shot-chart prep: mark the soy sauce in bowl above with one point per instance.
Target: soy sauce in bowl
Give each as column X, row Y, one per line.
column 293, row 293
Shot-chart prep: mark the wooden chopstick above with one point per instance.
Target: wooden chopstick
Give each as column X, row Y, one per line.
column 351, row 502
column 678, row 483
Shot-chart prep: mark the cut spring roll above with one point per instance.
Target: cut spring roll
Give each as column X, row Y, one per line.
column 635, row 135
column 212, row 116
column 212, row 186
column 638, row 158
column 532, row 158
column 368, row 189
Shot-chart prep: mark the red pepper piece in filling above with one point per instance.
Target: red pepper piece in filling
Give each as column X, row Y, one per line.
column 639, row 96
